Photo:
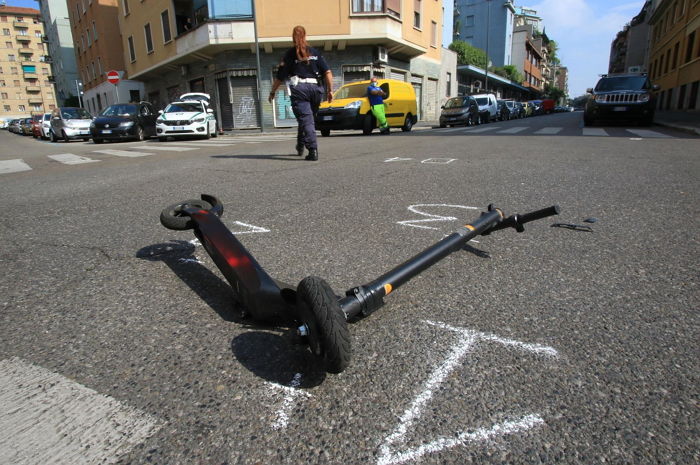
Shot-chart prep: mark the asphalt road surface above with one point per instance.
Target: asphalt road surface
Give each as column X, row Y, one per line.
column 120, row 341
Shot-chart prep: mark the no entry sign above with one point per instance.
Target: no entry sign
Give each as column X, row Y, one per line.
column 113, row 77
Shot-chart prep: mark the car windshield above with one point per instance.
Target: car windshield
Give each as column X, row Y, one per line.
column 119, row 110
column 351, row 91
column 482, row 100
column 75, row 113
column 510, row 103
column 182, row 107
column 622, row 83
column 456, row 102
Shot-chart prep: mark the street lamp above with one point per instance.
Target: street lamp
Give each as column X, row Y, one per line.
column 78, row 88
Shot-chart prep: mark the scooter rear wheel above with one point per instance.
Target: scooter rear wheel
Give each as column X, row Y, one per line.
column 328, row 333
column 172, row 217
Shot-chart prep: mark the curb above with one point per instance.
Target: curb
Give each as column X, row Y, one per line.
column 679, row 127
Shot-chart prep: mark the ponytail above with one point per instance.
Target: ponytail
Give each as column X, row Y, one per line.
column 300, row 44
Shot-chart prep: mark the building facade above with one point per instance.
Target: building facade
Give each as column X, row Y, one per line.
column 488, row 25
column 59, row 42
column 674, row 53
column 528, row 57
column 210, row 46
column 629, row 50
column 99, row 49
column 26, row 83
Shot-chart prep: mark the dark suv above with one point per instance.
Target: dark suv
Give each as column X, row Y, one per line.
column 124, row 121
column 621, row 97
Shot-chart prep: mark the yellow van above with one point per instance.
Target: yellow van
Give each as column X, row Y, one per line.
column 350, row 107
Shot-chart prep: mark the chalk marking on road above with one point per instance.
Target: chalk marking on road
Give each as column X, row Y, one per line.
column 291, row 396
column 48, row 418
column 514, row 130
column 599, row 132
column 431, row 217
column 648, row 134
column 13, row 166
column 249, row 228
column 123, row 153
column 549, row 131
column 467, row 341
column 71, row 159
column 439, row 161
column 165, row 148
column 388, row 160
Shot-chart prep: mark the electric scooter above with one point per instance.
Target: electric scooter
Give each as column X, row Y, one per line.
column 318, row 313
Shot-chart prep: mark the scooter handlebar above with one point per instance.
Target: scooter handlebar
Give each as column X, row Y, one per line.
column 517, row 221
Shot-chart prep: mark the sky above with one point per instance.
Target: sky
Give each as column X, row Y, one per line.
column 583, row 29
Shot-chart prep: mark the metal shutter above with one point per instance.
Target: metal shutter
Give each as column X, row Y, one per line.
column 396, row 74
column 350, row 76
column 244, row 95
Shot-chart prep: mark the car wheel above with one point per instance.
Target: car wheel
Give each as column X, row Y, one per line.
column 214, row 134
column 139, row 134
column 408, row 123
column 325, row 132
column 587, row 121
column 97, row 141
column 368, row 125
column 442, row 125
column 65, row 136
column 52, row 136
column 162, row 139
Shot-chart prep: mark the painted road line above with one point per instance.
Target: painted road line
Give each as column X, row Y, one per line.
column 514, row 130
column 594, row 132
column 123, row 153
column 165, row 148
column 549, row 131
column 13, row 166
column 203, row 144
column 47, row 418
column 71, row 159
column 648, row 134
column 477, row 130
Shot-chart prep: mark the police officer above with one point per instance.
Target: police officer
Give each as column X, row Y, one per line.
column 304, row 67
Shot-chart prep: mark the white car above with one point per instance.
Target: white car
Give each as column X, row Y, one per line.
column 45, row 125
column 190, row 116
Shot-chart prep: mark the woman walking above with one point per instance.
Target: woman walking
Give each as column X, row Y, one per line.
column 304, row 68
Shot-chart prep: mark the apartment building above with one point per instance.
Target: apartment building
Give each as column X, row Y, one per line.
column 98, row 49
column 628, row 51
column 674, row 53
column 182, row 46
column 488, row 25
column 528, row 57
column 26, row 84
column 59, row 52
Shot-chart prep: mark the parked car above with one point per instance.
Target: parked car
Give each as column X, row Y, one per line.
column 36, row 125
column 189, row 116
column 350, row 107
column 529, row 108
column 488, row 107
column 520, row 110
column 621, row 97
column 460, row 110
column 69, row 123
column 45, row 125
column 124, row 121
column 14, row 126
column 26, row 126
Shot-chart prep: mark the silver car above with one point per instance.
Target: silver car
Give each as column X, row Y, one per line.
column 68, row 123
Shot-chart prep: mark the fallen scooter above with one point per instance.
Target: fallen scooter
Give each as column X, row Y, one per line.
column 318, row 313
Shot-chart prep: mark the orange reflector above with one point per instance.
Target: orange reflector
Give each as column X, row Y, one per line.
column 387, row 289
column 469, row 227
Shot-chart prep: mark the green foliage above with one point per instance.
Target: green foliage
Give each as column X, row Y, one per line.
column 468, row 54
column 509, row 72
column 554, row 93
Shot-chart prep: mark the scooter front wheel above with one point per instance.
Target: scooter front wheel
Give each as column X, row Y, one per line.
column 327, row 330
column 172, row 216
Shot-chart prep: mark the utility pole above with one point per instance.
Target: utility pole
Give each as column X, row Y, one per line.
column 488, row 27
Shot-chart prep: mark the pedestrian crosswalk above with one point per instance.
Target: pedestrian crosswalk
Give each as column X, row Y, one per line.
column 494, row 129
column 146, row 149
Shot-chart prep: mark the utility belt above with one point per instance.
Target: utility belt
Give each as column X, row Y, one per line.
column 294, row 80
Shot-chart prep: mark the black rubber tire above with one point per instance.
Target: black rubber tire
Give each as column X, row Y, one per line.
column 368, row 125
column 408, row 123
column 443, row 125
column 65, row 136
column 52, row 137
column 172, row 217
column 97, row 141
column 139, row 134
column 329, row 337
column 325, row 132
column 162, row 139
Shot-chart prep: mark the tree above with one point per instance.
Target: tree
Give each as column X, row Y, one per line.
column 468, row 54
column 554, row 93
column 509, row 72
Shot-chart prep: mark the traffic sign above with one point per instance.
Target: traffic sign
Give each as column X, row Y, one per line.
column 113, row 77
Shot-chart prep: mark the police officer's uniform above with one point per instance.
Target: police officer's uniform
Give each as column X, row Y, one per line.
column 306, row 92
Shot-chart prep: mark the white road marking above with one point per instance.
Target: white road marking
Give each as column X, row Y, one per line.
column 123, row 153
column 388, row 453
column 13, row 166
column 459, row 128
column 71, row 159
column 47, row 418
column 482, row 129
column 514, row 130
column 164, row 147
column 648, row 134
column 201, row 144
column 431, row 218
column 291, row 394
column 594, row 132
column 549, row 131
column 397, row 159
column 438, row 161
column 249, row 228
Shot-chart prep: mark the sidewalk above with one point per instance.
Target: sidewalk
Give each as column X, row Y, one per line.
column 687, row 121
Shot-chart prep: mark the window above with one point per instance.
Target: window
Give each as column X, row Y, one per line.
column 10, row 57
column 8, row 45
column 367, row 6
column 469, row 21
column 7, row 108
column 126, row 7
column 87, row 34
column 165, row 22
column 100, row 72
column 132, row 53
column 4, row 96
column 36, row 106
column 675, row 54
column 691, row 42
column 448, row 85
column 77, row 11
column 416, row 14
column 92, row 70
column 433, row 34
column 149, row 40
column 6, row 32
column 94, row 31
column 22, row 108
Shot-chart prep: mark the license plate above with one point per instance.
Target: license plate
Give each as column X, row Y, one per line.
column 328, row 118
column 85, row 132
column 178, row 128
column 106, row 131
column 619, row 108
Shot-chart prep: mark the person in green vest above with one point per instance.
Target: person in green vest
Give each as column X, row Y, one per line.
column 376, row 101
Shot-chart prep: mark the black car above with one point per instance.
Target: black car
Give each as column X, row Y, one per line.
column 124, row 121
column 519, row 111
column 460, row 110
column 621, row 97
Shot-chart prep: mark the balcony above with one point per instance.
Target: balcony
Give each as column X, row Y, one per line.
column 46, row 59
column 33, row 89
column 26, row 51
column 21, row 24
column 23, row 38
column 36, row 100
